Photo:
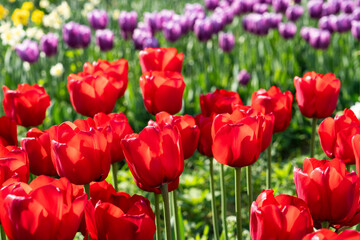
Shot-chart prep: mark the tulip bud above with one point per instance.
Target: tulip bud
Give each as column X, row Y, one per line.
column 76, row 35
column 104, row 39
column 226, row 41
column 49, row 44
column 98, row 19
column 28, row 51
column 287, row 30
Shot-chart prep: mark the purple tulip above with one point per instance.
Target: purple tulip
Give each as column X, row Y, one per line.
column 260, row 8
column 287, row 30
column 227, row 13
column 340, row 23
column 256, row 23
column 297, row 1
column 98, row 19
column 324, row 23
column 243, row 77
column 127, row 23
column 355, row 29
column 139, row 37
column 28, row 51
column 49, row 44
column 330, row 8
column 151, row 42
column 239, row 7
column 315, row 8
column 273, row 19
column 305, row 33
column 280, row 5
column 226, row 41
column 356, row 14
column 319, row 39
column 347, row 6
column 104, row 39
column 294, row 12
column 152, row 20
column 203, row 29
column 211, row 4
column 165, row 16
column 76, row 35
column 172, row 31
column 193, row 12
column 219, row 21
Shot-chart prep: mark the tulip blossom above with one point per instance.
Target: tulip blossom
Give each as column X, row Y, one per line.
column 161, row 59
column 116, row 72
column 79, row 155
column 276, row 102
column 205, row 140
column 326, row 234
column 317, row 94
column 220, row 101
column 8, row 132
column 187, row 127
column 14, row 165
column 98, row 19
column 46, row 209
column 162, row 91
column 49, row 44
column 155, row 157
column 110, row 214
column 28, row 51
column 331, row 192
column 104, row 39
column 237, row 138
column 26, row 105
column 37, row 146
column 119, row 127
column 280, row 217
column 76, row 35
column 336, row 133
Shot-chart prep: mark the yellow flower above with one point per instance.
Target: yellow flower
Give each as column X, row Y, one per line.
column 3, row 12
column 37, row 16
column 20, row 16
column 27, row 6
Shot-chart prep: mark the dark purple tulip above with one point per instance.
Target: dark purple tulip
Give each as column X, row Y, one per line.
column 183, row 21
column 243, row 77
column 340, row 23
column 315, row 8
column 76, row 35
column 172, row 31
column 356, row 14
column 139, row 37
column 355, row 29
column 165, row 16
column 127, row 23
column 194, row 7
column 357, row 3
column 330, row 8
column 305, row 33
column 226, row 41
column 98, row 19
column 49, row 44
column 151, row 42
column 260, row 8
column 151, row 20
column 224, row 4
column 324, row 23
column 347, row 6
column 227, row 13
column 193, row 12
column 239, row 7
column 297, row 1
column 287, row 30
column 256, row 23
column 319, row 39
column 211, row 4
column 104, row 39
column 293, row 13
column 280, row 5
column 273, row 19
column 203, row 29
column 218, row 21
column 28, row 51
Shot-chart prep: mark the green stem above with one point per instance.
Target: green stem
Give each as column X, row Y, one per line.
column 313, row 133
column 87, row 190
column 157, row 216
column 3, row 236
column 165, row 195
column 325, row 224
column 176, row 215
column 348, row 168
column 213, row 202
column 114, row 175
column 223, row 201
column 238, row 203
column 268, row 170
column 249, row 184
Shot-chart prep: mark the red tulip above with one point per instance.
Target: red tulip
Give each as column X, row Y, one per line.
column 189, row 131
column 317, row 94
column 161, row 59
column 8, row 132
column 331, row 193
column 336, row 133
column 220, row 101
column 326, row 234
column 155, row 157
column 116, row 72
column 91, row 94
column 118, row 214
column 276, row 102
column 79, row 155
column 237, row 138
column 281, row 217
column 37, row 146
column 267, row 126
column 26, row 105
column 14, row 165
column 205, row 140
column 45, row 209
column 162, row 91
column 119, row 126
